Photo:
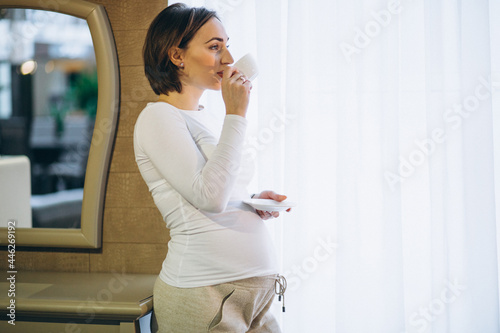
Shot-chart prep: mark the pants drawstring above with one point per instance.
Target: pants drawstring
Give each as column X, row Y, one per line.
column 279, row 288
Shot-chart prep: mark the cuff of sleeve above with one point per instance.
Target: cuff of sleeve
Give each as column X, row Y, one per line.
column 236, row 118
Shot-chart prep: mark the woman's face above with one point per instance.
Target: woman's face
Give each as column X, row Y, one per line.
column 206, row 57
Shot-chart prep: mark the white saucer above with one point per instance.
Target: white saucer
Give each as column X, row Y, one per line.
column 269, row 205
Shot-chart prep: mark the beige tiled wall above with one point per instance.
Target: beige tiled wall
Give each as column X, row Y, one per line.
column 134, row 234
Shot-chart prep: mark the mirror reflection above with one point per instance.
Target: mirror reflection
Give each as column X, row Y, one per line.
column 48, row 103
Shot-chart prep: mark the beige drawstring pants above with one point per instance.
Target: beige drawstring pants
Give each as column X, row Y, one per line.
column 235, row 307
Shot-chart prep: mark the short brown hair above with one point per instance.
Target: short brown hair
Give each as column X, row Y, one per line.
column 174, row 26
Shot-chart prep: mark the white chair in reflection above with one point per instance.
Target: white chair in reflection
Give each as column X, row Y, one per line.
column 15, row 191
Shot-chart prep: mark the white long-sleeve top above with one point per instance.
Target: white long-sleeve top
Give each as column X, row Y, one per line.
column 198, row 184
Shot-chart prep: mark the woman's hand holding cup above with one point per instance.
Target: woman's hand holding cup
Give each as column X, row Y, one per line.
column 235, row 91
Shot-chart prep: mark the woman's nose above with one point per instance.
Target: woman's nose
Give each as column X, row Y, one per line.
column 227, row 58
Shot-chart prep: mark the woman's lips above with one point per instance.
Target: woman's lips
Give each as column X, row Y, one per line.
column 220, row 73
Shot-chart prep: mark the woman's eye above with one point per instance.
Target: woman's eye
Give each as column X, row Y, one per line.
column 217, row 47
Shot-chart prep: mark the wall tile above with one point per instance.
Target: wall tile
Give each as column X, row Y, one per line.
column 134, row 85
column 123, row 159
column 129, row 45
column 48, row 261
column 134, row 225
column 127, row 190
column 133, row 258
column 129, row 111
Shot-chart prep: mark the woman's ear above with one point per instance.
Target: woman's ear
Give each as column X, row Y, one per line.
column 176, row 57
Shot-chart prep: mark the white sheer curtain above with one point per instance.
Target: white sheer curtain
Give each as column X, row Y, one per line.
column 382, row 120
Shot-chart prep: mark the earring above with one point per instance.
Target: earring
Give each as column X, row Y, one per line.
column 182, row 65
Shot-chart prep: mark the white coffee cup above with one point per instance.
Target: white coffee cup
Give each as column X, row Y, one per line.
column 247, row 66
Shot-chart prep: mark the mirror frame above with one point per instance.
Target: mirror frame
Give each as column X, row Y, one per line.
column 90, row 233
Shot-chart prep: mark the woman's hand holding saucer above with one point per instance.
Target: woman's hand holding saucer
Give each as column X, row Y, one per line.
column 269, row 195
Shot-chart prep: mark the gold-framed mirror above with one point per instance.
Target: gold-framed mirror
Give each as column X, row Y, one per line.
column 88, row 233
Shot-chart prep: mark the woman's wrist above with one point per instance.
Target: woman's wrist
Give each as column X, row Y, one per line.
column 241, row 113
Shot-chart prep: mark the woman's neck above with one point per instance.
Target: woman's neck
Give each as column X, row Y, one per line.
column 187, row 99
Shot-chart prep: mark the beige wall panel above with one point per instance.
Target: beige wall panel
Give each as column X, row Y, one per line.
column 134, row 225
column 127, row 190
column 134, row 258
column 129, row 111
column 132, row 14
column 135, row 86
column 129, row 44
column 48, row 261
column 123, row 159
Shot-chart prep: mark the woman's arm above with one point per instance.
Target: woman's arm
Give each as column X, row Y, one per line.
column 165, row 138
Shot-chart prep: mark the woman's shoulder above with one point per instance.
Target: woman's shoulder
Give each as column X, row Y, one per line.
column 158, row 112
column 159, row 109
column 158, row 118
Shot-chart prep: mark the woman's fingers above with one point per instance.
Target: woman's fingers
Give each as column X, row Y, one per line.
column 229, row 72
column 272, row 195
column 235, row 91
column 267, row 215
column 280, row 197
column 242, row 79
column 233, row 75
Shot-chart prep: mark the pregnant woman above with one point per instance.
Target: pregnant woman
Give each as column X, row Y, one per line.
column 220, row 272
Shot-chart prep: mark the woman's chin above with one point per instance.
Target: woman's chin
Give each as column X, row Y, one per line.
column 216, row 86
